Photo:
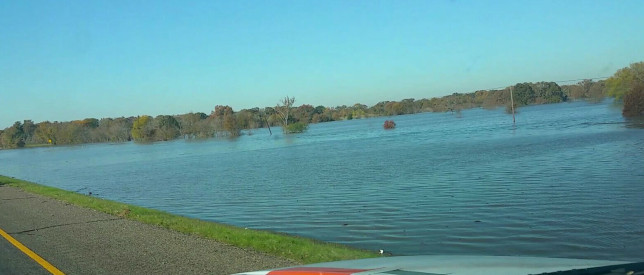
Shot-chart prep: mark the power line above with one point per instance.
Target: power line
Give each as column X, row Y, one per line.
column 581, row 79
column 556, row 81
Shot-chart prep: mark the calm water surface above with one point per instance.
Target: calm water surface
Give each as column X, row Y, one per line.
column 567, row 181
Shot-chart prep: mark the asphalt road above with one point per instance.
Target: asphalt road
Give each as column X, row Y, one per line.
column 83, row 241
column 13, row 261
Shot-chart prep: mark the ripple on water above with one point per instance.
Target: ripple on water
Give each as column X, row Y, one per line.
column 558, row 185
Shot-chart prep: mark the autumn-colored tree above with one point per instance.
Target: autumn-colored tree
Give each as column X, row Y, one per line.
column 225, row 121
column 230, row 125
column 221, row 110
column 389, row 124
column 625, row 85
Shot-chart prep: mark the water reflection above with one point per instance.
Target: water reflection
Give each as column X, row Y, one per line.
column 637, row 122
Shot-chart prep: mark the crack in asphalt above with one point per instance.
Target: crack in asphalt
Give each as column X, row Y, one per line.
column 23, row 198
column 65, row 224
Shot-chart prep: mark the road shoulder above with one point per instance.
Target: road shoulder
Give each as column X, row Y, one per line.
column 80, row 240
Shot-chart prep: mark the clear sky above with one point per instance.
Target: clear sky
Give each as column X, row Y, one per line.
column 67, row 60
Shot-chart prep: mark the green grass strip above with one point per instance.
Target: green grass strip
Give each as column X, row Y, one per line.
column 299, row 249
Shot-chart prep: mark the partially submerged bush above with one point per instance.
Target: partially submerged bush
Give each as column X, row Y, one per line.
column 389, row 124
column 634, row 101
column 297, row 127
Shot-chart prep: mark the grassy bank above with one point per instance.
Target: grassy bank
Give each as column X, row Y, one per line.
column 291, row 247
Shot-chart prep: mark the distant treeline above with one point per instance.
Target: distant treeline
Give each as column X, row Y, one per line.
column 626, row 84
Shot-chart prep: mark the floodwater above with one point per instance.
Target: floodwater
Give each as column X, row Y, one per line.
column 566, row 181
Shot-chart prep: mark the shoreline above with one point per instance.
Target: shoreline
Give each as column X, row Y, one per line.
column 77, row 240
column 295, row 248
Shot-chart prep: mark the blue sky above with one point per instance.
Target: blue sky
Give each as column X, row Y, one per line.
column 67, row 60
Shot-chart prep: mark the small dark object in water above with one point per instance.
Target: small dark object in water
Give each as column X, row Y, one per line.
column 477, row 221
column 389, row 124
column 90, row 193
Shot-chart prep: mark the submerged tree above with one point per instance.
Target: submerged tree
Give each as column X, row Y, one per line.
column 634, row 101
column 627, row 84
column 287, row 114
column 389, row 124
column 225, row 120
column 142, row 129
column 167, row 127
column 283, row 110
column 621, row 82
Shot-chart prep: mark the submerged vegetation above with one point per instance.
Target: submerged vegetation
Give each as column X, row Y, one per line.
column 626, row 85
column 389, row 124
column 297, row 127
column 299, row 249
column 284, row 111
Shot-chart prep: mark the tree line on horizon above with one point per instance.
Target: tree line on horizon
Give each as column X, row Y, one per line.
column 627, row 85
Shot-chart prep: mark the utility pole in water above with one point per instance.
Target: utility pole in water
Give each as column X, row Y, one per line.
column 512, row 106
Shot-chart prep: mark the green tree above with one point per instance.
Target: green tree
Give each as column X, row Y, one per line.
column 89, row 123
column 322, row 114
column 191, row 125
column 394, row 108
column 297, row 127
column 248, row 118
column 28, row 128
column 114, row 130
column 142, row 129
column 621, row 82
column 304, row 113
column 13, row 137
column 523, row 94
column 359, row 111
column 166, row 127
column 319, row 109
column 408, row 106
column 45, row 133
column 69, row 132
column 548, row 92
column 627, row 84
